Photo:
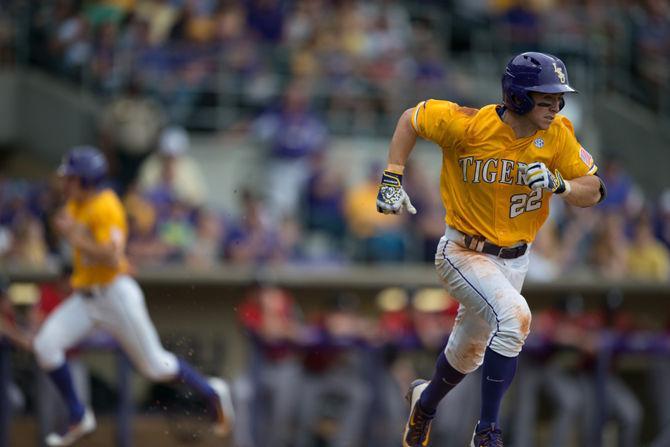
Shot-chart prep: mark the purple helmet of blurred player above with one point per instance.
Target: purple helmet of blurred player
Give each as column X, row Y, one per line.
column 533, row 72
column 86, row 163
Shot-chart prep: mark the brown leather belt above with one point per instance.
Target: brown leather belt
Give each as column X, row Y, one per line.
column 89, row 292
column 480, row 244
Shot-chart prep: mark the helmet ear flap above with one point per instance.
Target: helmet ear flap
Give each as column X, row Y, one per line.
column 519, row 101
column 561, row 104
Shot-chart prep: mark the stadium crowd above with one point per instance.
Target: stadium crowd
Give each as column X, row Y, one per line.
column 329, row 222
column 365, row 60
column 295, row 84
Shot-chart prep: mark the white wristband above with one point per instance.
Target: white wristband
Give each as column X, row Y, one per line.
column 568, row 188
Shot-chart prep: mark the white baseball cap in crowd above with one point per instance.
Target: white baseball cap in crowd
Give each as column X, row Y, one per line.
column 174, row 141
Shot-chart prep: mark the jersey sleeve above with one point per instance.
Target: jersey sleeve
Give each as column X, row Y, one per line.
column 438, row 121
column 108, row 222
column 572, row 160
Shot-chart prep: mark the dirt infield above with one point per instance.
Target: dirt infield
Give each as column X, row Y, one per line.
column 148, row 431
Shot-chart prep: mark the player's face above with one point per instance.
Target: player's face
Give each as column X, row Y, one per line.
column 547, row 105
column 71, row 187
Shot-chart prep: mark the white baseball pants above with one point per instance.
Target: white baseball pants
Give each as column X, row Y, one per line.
column 120, row 309
column 492, row 311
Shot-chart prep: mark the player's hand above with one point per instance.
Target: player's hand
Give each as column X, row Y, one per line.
column 538, row 176
column 392, row 198
column 63, row 223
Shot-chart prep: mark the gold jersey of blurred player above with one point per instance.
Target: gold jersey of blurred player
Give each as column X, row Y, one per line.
column 481, row 187
column 103, row 216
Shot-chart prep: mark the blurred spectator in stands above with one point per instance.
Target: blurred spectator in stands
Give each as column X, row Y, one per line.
column 662, row 218
column 268, row 393
column 322, row 211
column 576, row 228
column 565, row 29
column 70, row 40
column 334, row 398
column 431, row 71
column 29, row 249
column 648, row 258
column 651, row 19
column 24, row 237
column 610, row 248
column 291, row 134
column 129, row 129
column 197, row 21
column 144, row 247
column 428, row 224
column 105, row 65
column 257, row 239
column 205, row 250
column 265, row 18
column 518, row 25
column 160, row 16
column 546, row 257
column 618, row 181
column 173, row 171
column 45, row 202
column 177, row 74
column 176, row 231
column 376, row 237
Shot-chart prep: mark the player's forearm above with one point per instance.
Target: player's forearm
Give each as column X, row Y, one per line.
column 107, row 254
column 584, row 191
column 402, row 143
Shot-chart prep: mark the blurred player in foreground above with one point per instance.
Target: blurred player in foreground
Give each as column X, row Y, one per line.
column 94, row 223
column 501, row 166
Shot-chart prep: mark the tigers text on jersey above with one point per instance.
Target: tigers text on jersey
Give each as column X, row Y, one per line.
column 481, row 186
column 104, row 218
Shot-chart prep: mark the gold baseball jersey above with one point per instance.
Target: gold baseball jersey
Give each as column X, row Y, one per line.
column 481, row 186
column 104, row 218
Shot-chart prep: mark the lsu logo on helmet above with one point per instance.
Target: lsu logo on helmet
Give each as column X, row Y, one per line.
column 559, row 73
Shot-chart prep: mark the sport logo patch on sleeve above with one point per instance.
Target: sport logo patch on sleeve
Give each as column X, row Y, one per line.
column 585, row 156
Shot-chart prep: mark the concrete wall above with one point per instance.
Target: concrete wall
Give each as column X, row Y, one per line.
column 9, row 94
column 44, row 116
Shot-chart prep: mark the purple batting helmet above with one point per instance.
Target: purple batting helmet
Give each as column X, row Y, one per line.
column 533, row 72
column 86, row 163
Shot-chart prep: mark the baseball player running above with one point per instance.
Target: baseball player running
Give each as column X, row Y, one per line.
column 94, row 223
column 501, row 165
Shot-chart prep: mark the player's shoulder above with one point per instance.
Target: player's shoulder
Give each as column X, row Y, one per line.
column 562, row 126
column 447, row 106
column 106, row 199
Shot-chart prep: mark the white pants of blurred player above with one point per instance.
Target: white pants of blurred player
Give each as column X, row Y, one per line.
column 492, row 311
column 118, row 308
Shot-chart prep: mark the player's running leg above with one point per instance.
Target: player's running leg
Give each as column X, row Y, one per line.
column 492, row 325
column 423, row 398
column 64, row 328
column 126, row 317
